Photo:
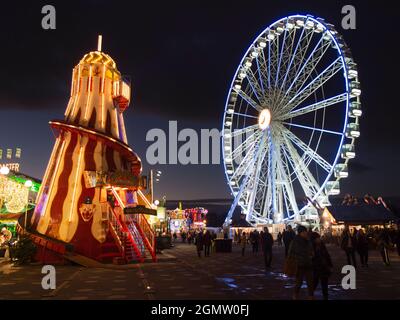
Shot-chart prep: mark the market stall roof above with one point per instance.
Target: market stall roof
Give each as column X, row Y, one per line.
column 363, row 214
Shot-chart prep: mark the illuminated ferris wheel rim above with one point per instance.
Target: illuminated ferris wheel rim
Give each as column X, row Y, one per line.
column 265, row 118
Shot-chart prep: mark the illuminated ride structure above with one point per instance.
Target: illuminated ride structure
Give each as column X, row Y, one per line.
column 187, row 219
column 290, row 123
column 91, row 202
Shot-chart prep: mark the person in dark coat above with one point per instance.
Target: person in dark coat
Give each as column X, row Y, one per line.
column 322, row 264
column 362, row 247
column 287, row 237
column 397, row 239
column 199, row 243
column 243, row 242
column 301, row 251
column 279, row 238
column 384, row 243
column 254, row 239
column 349, row 245
column 207, row 243
column 267, row 243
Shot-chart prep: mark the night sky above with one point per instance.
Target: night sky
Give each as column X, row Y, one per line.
column 181, row 57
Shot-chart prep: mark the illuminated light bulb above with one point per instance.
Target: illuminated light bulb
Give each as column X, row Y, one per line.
column 4, row 170
column 28, row 184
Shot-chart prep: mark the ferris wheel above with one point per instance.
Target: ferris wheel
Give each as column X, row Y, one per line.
column 291, row 120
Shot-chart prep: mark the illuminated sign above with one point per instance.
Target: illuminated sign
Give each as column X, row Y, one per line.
column 11, row 166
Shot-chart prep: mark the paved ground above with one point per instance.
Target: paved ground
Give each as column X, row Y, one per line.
column 221, row 276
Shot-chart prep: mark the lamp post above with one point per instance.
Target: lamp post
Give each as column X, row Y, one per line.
column 28, row 184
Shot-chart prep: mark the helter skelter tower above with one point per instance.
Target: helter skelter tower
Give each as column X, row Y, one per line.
column 93, row 175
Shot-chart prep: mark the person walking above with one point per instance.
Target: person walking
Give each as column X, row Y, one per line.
column 243, row 242
column 384, row 244
column 301, row 251
column 213, row 237
column 362, row 247
column 267, row 243
column 207, row 243
column 322, row 264
column 349, row 244
column 397, row 239
column 279, row 238
column 256, row 240
column 287, row 237
column 199, row 243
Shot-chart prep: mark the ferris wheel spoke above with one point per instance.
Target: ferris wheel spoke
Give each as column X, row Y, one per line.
column 306, row 179
column 255, row 85
column 260, row 77
column 273, row 49
column 287, row 54
column 246, row 161
column 305, row 45
column 308, row 67
column 247, row 143
column 307, row 150
column 261, row 153
column 290, row 200
column 316, row 106
column 249, row 100
column 313, row 86
column 280, row 57
column 244, row 115
column 313, row 129
column 293, row 58
column 245, row 130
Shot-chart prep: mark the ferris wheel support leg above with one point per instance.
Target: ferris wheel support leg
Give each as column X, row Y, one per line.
column 228, row 219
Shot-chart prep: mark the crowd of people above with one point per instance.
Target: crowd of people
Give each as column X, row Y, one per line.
column 202, row 239
column 306, row 250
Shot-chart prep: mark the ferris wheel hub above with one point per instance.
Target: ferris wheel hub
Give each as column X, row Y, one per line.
column 264, row 119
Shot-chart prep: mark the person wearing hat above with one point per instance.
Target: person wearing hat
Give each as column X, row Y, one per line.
column 301, row 251
column 322, row 264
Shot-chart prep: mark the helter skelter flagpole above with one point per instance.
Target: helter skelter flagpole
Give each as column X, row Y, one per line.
column 99, row 42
